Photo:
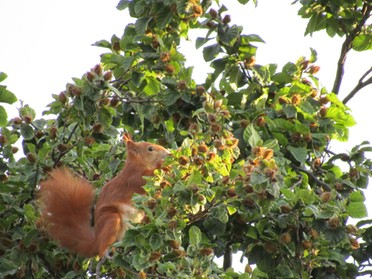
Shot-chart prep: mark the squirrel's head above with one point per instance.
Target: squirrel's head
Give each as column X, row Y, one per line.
column 147, row 154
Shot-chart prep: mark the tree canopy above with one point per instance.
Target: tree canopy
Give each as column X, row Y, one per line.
column 252, row 169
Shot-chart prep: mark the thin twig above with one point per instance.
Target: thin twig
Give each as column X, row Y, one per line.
column 367, row 272
column 128, row 99
column 65, row 152
column 140, row 101
column 361, row 84
column 72, row 133
column 31, row 274
column 309, row 173
column 99, row 265
column 202, row 214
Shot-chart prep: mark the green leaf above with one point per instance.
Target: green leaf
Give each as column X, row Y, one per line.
column 138, row 9
column 123, row 4
column 171, row 97
column 289, row 194
column 7, row 267
column 340, row 116
column 235, row 99
column 141, row 25
column 289, row 110
column 357, row 196
column 273, row 189
column 356, row 210
column 169, row 125
column 364, row 223
column 231, row 210
column 3, row 76
column 247, row 51
column 306, row 107
column 44, row 150
column 102, row 43
column 219, row 65
column 3, row 117
column 230, row 36
column 263, row 260
column 127, row 39
column 31, row 236
column 299, row 153
column 252, row 232
column 363, row 181
column 363, row 42
column 200, row 41
column 164, row 17
column 214, row 226
column 307, row 196
column 220, row 213
column 258, row 178
column 280, row 125
column 195, row 236
column 29, row 212
column 254, row 38
column 290, row 68
column 6, row 96
column 282, row 139
column 282, row 78
column 235, row 76
column 331, row 30
column 105, row 117
column 27, row 132
column 316, row 22
column 336, row 236
column 311, row 210
column 210, row 52
column 71, row 275
column 127, row 62
column 27, row 111
column 155, row 241
column 325, row 213
column 251, row 136
column 152, row 86
column 313, row 56
column 336, row 256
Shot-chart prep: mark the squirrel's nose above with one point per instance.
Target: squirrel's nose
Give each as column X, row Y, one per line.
column 166, row 153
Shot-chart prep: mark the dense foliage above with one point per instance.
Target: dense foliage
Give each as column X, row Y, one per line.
column 252, row 169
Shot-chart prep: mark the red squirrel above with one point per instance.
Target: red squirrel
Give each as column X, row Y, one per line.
column 66, row 201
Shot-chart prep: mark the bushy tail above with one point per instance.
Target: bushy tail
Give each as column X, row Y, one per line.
column 66, row 202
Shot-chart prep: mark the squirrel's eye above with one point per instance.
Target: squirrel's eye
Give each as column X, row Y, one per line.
column 150, row 148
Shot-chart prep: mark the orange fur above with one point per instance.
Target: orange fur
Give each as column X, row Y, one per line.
column 66, row 202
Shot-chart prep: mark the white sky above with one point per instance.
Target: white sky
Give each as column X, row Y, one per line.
column 44, row 43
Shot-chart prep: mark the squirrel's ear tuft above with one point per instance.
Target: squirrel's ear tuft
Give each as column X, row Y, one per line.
column 127, row 137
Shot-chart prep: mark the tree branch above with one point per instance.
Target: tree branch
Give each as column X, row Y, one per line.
column 364, row 273
column 312, row 176
column 361, row 84
column 347, row 45
column 227, row 257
